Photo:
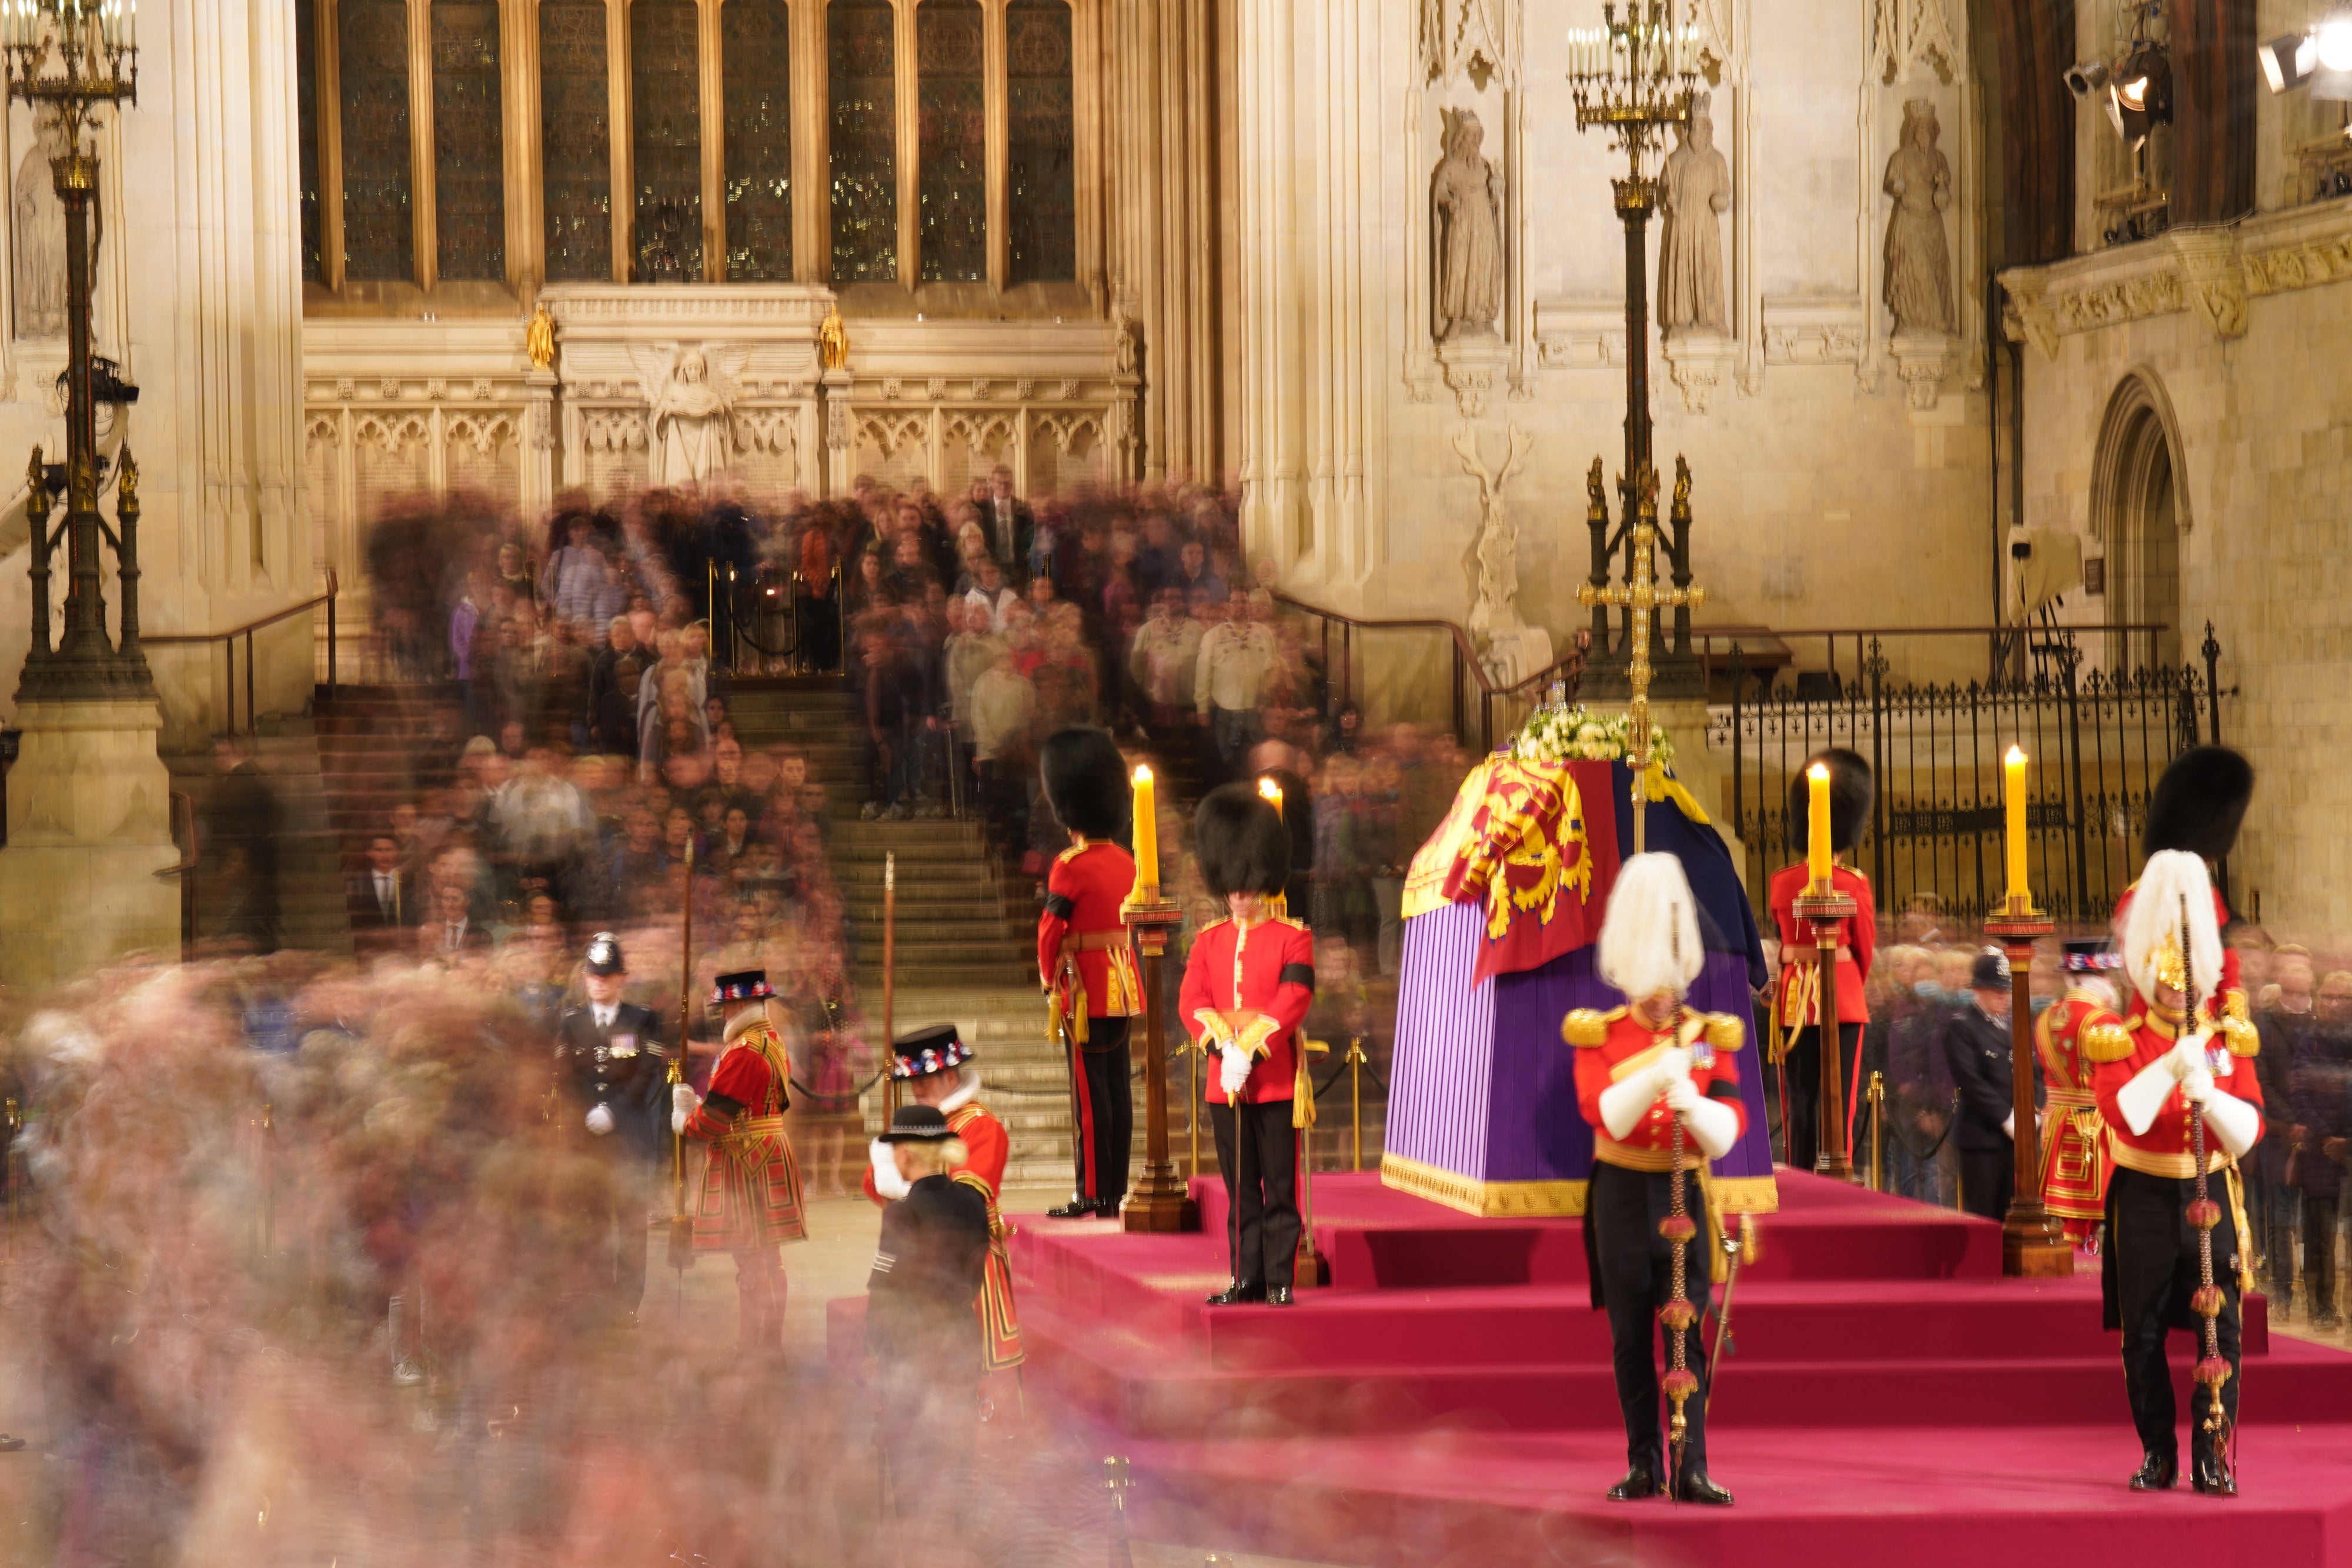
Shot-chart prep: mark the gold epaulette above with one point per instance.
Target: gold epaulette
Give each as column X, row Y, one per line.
column 2243, row 1037
column 2105, row 1041
column 1286, row 920
column 1073, row 852
column 1725, row 1031
column 1589, row 1026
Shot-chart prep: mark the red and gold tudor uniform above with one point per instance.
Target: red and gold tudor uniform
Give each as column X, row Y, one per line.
column 1249, row 986
column 1630, row 1263
column 2149, row 1272
column 749, row 1200
column 987, row 1147
column 1087, row 965
column 2075, row 1164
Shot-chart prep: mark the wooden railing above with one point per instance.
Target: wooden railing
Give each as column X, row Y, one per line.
column 1477, row 700
column 227, row 640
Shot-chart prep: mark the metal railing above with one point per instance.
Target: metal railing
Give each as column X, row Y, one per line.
column 1768, row 649
column 227, row 640
column 737, row 631
column 184, row 834
column 1480, row 709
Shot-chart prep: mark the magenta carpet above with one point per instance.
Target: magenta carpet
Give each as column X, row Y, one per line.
column 1891, row 1399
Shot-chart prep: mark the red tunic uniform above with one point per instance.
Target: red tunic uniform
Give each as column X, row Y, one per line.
column 1857, row 941
column 751, row 1194
column 1268, row 966
column 987, row 1147
column 1616, row 1043
column 2075, row 1164
column 2119, row 1052
column 1085, row 960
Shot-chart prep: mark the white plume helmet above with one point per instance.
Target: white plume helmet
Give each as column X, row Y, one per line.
column 1649, row 939
column 2151, row 934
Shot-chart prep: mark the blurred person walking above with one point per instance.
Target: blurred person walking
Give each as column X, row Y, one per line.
column 1977, row 1047
column 610, row 1069
column 2321, row 1115
column 2285, row 1026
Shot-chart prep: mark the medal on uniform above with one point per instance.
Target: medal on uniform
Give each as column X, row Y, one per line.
column 625, row 1046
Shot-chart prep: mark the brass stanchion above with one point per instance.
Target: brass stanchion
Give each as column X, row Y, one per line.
column 1877, row 1130
column 1310, row 1270
column 1356, row 1060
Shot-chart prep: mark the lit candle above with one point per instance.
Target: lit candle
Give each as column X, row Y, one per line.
column 1817, row 826
column 1146, row 834
column 1270, row 791
column 2012, row 769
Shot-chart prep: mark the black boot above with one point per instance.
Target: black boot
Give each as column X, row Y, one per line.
column 1639, row 1483
column 1691, row 1486
column 1077, row 1208
column 2211, row 1475
column 1237, row 1295
column 2157, row 1472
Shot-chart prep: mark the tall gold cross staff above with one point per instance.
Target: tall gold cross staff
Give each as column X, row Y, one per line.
column 1641, row 593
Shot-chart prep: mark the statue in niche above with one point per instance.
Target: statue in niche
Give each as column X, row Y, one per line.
column 1468, row 193
column 1918, row 289
column 40, row 231
column 1693, row 191
column 1514, row 649
column 689, row 413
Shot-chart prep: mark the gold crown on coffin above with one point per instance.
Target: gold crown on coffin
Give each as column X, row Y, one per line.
column 2171, row 968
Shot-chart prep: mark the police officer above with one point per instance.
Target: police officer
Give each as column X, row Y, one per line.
column 610, row 1066
column 1976, row 1049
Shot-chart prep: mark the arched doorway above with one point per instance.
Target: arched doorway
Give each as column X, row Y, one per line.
column 2139, row 507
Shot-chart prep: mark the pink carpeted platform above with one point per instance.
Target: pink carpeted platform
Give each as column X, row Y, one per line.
column 1890, row 1395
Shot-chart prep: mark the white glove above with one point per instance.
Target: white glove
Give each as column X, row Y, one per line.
column 887, row 1179
column 2234, row 1123
column 1624, row 1103
column 1234, row 1070
column 2197, row 1085
column 600, row 1119
column 1682, row 1096
column 1713, row 1125
column 683, row 1102
column 1675, row 1061
column 2008, row 1125
column 2144, row 1095
column 2186, row 1055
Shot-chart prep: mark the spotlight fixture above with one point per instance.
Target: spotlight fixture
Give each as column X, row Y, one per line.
column 2320, row 59
column 2139, row 93
column 2086, row 78
column 2288, row 62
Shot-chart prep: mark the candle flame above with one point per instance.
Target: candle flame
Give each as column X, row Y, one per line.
column 1269, row 790
column 2016, row 754
column 1817, row 771
column 1142, row 775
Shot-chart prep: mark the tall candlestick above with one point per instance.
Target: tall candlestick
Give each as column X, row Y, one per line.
column 1146, row 834
column 2013, row 767
column 1817, row 826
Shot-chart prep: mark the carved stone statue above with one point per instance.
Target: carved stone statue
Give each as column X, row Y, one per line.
column 690, row 416
column 1514, row 650
column 40, row 232
column 1918, row 289
column 1694, row 188
column 1466, row 191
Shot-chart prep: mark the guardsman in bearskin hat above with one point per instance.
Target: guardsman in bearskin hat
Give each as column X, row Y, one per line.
column 1085, row 960
column 2075, row 1164
column 2198, row 805
column 1248, row 983
column 750, row 1196
column 920, row 1326
column 1640, row 1069
column 2180, row 1059
column 1800, row 1002
column 936, row 1066
column 610, row 1068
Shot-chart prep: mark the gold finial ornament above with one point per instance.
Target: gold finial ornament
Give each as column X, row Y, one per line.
column 2171, row 968
column 833, row 338
column 539, row 342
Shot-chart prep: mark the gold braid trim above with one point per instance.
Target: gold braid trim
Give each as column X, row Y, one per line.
column 2107, row 1042
column 1589, row 1026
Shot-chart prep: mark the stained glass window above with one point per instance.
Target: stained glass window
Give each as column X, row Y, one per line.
column 756, row 60
column 575, row 139
column 860, row 58
column 306, row 113
column 372, row 49
column 665, row 98
column 954, row 144
column 469, row 177
column 1045, row 238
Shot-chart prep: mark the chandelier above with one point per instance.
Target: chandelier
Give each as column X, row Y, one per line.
column 1633, row 77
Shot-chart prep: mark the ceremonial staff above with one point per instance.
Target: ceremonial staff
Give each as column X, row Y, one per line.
column 682, row 1228
column 889, row 980
column 2213, row 1368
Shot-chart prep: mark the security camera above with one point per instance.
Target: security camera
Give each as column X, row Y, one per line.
column 2087, row 78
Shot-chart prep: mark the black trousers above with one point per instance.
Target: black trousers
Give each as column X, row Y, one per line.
column 1803, row 1068
column 1988, row 1181
column 2151, row 1259
column 2319, row 1253
column 1633, row 1276
column 1266, row 1251
column 1106, row 1110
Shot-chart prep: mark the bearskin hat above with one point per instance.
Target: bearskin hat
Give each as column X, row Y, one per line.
column 1852, row 790
column 2198, row 802
column 1241, row 841
column 1085, row 781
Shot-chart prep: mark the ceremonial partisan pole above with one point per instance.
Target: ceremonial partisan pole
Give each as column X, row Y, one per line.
column 682, row 1228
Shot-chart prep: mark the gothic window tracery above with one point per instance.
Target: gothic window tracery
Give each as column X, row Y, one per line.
column 378, row 224
column 1041, row 173
column 861, row 73
column 575, row 139
column 954, row 146
column 665, row 101
column 756, row 56
column 469, row 149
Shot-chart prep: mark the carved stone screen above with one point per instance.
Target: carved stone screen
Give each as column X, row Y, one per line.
column 1045, row 238
column 379, row 240
column 756, row 56
column 575, row 141
column 665, row 99
column 306, row 113
column 949, row 61
column 860, row 57
column 469, row 150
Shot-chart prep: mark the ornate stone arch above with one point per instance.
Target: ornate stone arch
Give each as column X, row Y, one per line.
column 2139, row 507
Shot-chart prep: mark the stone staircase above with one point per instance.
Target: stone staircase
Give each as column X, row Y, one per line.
column 312, row 909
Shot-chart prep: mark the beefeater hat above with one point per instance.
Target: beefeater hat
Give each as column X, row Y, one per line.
column 1085, row 781
column 1242, row 843
column 2198, row 802
column 936, row 1049
column 1852, row 790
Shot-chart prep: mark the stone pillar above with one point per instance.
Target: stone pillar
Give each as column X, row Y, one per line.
column 90, row 823
column 840, row 434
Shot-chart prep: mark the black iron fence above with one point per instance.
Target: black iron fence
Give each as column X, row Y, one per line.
column 2097, row 740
